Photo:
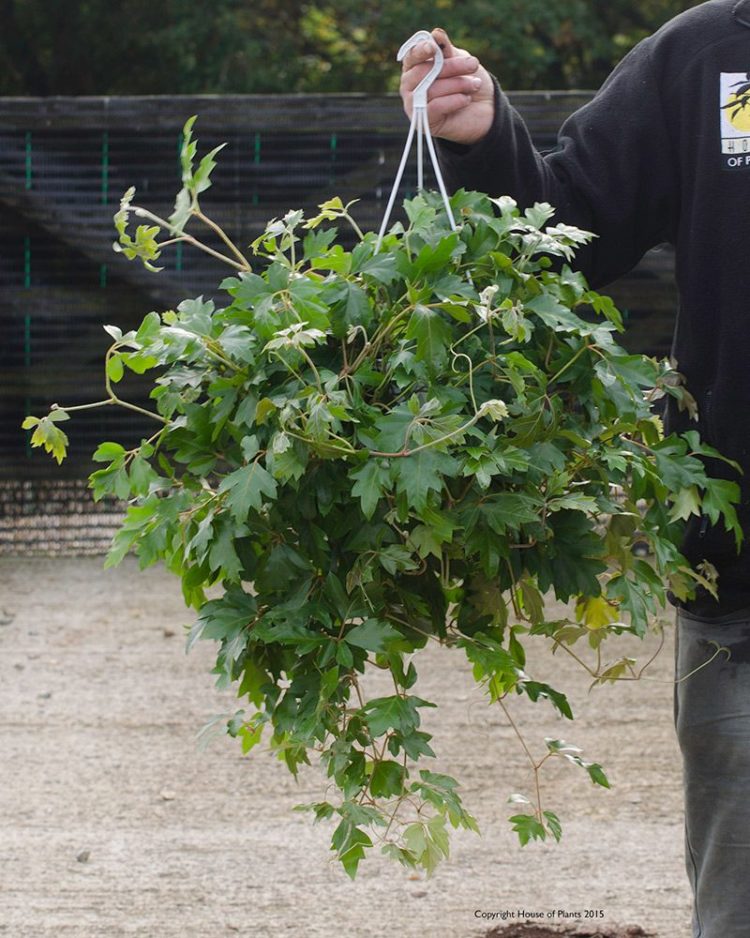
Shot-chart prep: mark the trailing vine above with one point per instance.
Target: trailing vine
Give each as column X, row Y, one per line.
column 371, row 450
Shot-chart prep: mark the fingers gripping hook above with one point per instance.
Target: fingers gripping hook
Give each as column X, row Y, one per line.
column 421, row 127
column 419, row 96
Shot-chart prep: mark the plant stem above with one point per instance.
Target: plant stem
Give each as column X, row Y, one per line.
column 140, row 410
column 355, row 226
column 418, row 449
column 569, row 364
column 380, row 337
column 82, row 406
column 419, row 631
column 470, row 374
column 309, row 440
column 471, row 332
column 166, row 244
column 291, row 368
column 535, row 767
column 574, row 656
column 218, row 255
column 223, row 235
column 144, row 213
column 655, row 654
column 311, row 363
column 114, row 399
column 213, row 348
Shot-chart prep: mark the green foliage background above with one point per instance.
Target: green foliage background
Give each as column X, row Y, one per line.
column 229, row 46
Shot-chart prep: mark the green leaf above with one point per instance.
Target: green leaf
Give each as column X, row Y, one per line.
column 510, row 510
column 142, row 473
column 539, row 214
column 222, row 555
column 392, row 429
column 372, row 635
column 487, row 598
column 350, row 843
column 250, row 736
column 183, row 209
column 596, row 773
column 202, row 175
column 288, row 458
column 421, row 473
column 188, row 150
column 535, row 691
column 416, row 840
column 350, row 859
column 380, row 267
column 398, row 713
column 528, row 828
column 555, row 314
column 352, row 308
column 553, row 825
column 371, row 482
column 719, row 500
column 435, row 257
column 415, row 744
column 139, row 362
column 426, row 541
column 344, row 655
column 115, row 368
column 225, row 618
column 315, row 244
column 575, row 501
column 254, row 678
column 433, row 335
column 438, row 780
column 246, row 488
column 330, row 210
column 47, row 435
column 322, row 810
column 428, row 843
column 387, row 779
column 633, row 597
column 595, row 612
column 264, row 409
column 532, row 601
column 108, row 452
column 137, row 528
column 686, row 502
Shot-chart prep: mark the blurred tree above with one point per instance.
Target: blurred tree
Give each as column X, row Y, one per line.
column 182, row 47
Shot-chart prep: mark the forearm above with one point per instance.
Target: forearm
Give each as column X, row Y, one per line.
column 607, row 174
column 504, row 162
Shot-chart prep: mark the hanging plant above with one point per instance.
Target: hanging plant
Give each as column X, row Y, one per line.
column 369, row 450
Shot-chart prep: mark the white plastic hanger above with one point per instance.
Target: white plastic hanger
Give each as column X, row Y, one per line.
column 421, row 126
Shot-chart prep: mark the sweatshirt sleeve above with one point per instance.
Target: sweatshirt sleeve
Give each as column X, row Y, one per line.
column 612, row 171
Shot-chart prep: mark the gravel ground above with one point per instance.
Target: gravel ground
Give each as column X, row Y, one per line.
column 116, row 823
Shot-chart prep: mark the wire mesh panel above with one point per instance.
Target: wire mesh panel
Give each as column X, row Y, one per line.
column 64, row 164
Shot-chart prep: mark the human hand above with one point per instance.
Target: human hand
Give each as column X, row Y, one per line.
column 461, row 101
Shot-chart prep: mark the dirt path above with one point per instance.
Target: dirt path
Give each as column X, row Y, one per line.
column 113, row 823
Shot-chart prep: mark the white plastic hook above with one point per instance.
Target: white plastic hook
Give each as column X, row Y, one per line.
column 421, row 126
column 419, row 96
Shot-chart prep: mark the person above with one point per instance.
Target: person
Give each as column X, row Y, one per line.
column 660, row 154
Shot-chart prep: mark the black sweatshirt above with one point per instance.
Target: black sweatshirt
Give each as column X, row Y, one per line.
column 661, row 154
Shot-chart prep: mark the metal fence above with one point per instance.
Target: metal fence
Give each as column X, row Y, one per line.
column 65, row 162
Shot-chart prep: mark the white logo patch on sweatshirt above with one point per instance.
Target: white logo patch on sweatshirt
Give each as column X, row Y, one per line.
column 735, row 119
